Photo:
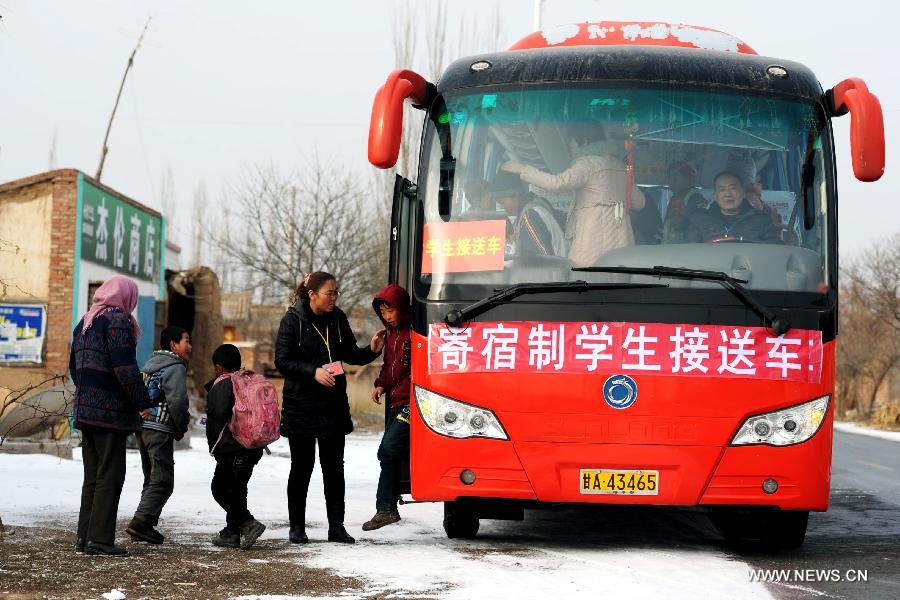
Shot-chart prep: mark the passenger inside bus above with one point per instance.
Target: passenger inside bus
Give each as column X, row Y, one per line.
column 685, row 200
column 647, row 223
column 753, row 192
column 535, row 229
column 478, row 197
column 731, row 218
column 598, row 221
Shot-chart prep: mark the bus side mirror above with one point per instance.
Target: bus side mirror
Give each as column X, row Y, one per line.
column 866, row 126
column 386, row 125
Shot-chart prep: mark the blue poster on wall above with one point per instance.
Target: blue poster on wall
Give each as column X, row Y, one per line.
column 22, row 330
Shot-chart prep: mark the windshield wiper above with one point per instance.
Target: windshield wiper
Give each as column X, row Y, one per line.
column 456, row 317
column 779, row 325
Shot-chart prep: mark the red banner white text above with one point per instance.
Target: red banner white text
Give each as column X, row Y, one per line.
column 652, row 348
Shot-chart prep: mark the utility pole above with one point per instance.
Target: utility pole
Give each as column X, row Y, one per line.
column 538, row 10
column 105, row 148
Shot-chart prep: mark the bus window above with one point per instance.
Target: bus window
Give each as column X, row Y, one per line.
column 599, row 162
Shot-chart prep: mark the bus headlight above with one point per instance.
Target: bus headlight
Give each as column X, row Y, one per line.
column 784, row 427
column 456, row 419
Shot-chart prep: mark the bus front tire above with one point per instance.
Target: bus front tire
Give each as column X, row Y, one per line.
column 460, row 521
column 771, row 530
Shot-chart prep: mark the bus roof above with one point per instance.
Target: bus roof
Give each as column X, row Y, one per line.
column 626, row 33
column 661, row 65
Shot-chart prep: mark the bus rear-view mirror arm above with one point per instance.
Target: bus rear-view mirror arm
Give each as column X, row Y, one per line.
column 866, row 126
column 386, row 125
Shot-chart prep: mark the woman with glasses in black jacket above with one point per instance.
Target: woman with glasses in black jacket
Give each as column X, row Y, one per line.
column 314, row 340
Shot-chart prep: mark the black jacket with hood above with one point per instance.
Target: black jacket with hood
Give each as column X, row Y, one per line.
column 219, row 407
column 308, row 407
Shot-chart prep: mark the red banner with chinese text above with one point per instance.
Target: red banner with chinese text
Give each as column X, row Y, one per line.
column 463, row 246
column 651, row 348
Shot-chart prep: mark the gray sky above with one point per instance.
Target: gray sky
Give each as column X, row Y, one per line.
column 220, row 85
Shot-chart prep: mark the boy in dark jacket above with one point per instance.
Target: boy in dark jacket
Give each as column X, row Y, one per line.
column 165, row 376
column 234, row 463
column 392, row 306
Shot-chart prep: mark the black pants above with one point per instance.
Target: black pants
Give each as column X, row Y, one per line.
column 392, row 452
column 303, row 459
column 158, row 462
column 103, row 454
column 229, row 485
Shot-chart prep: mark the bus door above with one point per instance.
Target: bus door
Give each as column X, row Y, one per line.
column 399, row 271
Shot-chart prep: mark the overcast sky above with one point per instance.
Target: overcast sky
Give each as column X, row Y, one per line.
column 219, row 85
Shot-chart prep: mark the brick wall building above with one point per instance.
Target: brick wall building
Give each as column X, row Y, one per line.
column 61, row 235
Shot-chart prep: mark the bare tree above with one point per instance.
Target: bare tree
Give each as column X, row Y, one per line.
column 473, row 35
column 32, row 410
column 435, row 26
column 167, row 197
column 875, row 275
column 212, row 227
column 869, row 348
column 22, row 409
column 281, row 226
column 405, row 42
column 198, row 239
column 7, row 247
column 51, row 156
column 436, row 37
column 411, row 31
column 866, row 354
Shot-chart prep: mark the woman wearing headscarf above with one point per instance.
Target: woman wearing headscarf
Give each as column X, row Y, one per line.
column 314, row 338
column 109, row 399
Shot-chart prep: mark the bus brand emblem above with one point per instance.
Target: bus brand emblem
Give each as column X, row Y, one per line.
column 620, row 391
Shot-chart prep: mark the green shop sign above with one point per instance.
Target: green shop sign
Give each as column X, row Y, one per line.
column 119, row 236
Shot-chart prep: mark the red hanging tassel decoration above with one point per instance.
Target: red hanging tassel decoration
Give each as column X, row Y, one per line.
column 629, row 174
column 631, row 127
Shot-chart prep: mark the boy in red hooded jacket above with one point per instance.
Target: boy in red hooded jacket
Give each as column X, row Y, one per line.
column 393, row 308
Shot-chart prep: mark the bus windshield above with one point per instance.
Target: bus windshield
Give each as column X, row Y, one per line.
column 524, row 184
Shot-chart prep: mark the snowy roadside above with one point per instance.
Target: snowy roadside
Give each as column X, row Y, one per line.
column 848, row 427
column 414, row 558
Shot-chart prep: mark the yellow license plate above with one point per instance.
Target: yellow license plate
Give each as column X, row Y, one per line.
column 614, row 481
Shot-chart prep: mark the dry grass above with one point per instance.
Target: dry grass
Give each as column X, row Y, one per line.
column 887, row 416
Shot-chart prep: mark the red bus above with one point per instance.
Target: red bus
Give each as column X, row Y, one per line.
column 621, row 247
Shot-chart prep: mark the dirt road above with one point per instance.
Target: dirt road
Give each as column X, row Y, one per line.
column 41, row 563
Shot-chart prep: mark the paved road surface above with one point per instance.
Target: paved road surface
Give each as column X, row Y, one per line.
column 861, row 530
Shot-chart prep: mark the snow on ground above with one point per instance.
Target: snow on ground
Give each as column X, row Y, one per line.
column 848, row 427
column 414, row 557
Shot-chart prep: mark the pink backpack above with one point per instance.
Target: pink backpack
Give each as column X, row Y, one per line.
column 256, row 418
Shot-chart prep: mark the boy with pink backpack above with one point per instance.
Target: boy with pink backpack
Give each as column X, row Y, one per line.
column 242, row 417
